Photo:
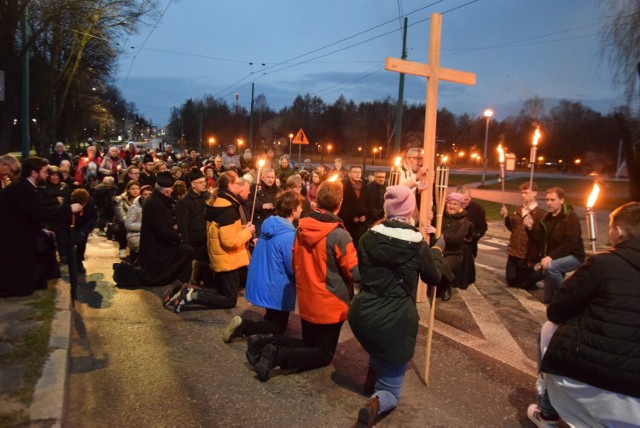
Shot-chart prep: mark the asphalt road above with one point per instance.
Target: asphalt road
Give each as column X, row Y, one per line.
column 134, row 363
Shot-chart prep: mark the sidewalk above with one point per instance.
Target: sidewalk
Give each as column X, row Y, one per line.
column 45, row 407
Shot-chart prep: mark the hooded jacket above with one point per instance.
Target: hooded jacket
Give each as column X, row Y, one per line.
column 270, row 281
column 598, row 309
column 227, row 239
column 326, row 265
column 383, row 316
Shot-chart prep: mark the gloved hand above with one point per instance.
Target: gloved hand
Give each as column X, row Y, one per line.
column 440, row 243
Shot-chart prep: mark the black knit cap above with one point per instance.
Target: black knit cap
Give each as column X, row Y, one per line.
column 164, row 179
column 195, row 174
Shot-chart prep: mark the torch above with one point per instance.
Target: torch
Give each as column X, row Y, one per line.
column 442, row 182
column 255, row 194
column 394, row 178
column 592, row 226
column 333, row 178
column 533, row 155
column 501, row 152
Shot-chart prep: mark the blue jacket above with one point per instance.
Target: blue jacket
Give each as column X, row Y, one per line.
column 271, row 283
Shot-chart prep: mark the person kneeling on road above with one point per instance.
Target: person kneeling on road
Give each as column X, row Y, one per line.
column 271, row 282
column 589, row 369
column 228, row 253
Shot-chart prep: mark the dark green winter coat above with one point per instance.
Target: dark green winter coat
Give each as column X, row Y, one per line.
column 383, row 315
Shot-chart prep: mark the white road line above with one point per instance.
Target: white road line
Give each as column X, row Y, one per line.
column 534, row 307
column 490, row 268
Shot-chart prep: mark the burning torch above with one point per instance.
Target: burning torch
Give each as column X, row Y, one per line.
column 255, row 194
column 394, row 178
column 592, row 225
column 501, row 152
column 533, row 155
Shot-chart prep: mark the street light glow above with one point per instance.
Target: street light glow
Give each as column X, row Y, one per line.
column 488, row 113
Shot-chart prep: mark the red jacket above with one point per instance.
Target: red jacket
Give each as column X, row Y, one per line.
column 326, row 265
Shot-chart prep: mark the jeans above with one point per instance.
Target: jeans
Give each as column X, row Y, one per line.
column 389, row 384
column 554, row 275
column 544, row 403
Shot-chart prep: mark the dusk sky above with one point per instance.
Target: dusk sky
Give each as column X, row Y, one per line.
column 518, row 49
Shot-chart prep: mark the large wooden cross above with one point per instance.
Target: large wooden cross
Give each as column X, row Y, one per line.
column 434, row 73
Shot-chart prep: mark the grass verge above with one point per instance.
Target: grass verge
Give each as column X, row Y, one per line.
column 30, row 352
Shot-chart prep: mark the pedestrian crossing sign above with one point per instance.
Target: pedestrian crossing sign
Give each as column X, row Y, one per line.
column 300, row 138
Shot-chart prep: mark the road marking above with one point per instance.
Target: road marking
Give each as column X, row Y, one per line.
column 534, row 307
column 490, row 268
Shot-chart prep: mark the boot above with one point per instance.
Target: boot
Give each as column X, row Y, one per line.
column 367, row 414
column 272, row 357
column 255, row 345
column 370, row 381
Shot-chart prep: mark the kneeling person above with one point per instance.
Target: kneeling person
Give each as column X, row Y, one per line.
column 271, row 282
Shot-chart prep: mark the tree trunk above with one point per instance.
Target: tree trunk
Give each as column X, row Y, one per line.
column 629, row 155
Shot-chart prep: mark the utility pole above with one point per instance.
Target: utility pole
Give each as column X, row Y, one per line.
column 401, row 91
column 251, row 119
column 26, row 121
column 200, row 129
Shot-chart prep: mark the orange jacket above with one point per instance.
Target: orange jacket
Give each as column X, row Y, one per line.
column 326, row 265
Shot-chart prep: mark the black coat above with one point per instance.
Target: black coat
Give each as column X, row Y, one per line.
column 562, row 235
column 266, row 194
column 190, row 218
column 158, row 238
column 598, row 309
column 376, row 199
column 354, row 206
column 21, row 217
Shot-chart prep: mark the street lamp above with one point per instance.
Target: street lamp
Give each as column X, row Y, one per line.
column 487, row 113
column 290, row 141
column 373, row 158
column 212, row 142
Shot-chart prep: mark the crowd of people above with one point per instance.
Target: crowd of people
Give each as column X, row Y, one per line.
column 337, row 246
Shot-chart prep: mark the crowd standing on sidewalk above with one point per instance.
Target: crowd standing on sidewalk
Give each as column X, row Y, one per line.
column 337, row 246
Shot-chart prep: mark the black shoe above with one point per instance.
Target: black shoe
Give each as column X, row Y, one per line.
column 446, row 295
column 271, row 358
column 177, row 302
column 116, row 277
column 255, row 345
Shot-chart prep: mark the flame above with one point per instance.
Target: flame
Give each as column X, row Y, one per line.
column 593, row 196
column 501, row 151
column 445, row 159
column 398, row 161
column 333, row 178
column 536, row 137
column 260, row 163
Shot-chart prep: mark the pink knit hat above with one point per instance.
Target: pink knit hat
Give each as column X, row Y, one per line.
column 455, row 197
column 399, row 201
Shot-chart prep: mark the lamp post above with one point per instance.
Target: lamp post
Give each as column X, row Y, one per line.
column 487, row 113
column 212, row 142
column 290, row 141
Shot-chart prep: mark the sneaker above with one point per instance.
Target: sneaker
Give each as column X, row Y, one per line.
column 179, row 299
column 232, row 330
column 170, row 292
column 122, row 254
column 535, row 415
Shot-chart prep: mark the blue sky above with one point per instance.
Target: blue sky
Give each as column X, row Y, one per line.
column 517, row 48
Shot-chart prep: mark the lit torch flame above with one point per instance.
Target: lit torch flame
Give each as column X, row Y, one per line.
column 260, row 163
column 536, row 137
column 333, row 178
column 501, row 152
column 593, row 196
column 445, row 159
column 398, row 161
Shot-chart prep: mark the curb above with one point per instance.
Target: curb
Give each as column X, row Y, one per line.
column 50, row 392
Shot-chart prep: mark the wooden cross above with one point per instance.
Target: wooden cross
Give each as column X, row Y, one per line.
column 434, row 73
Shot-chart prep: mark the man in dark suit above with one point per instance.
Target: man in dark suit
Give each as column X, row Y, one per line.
column 355, row 211
column 376, row 190
column 22, row 265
